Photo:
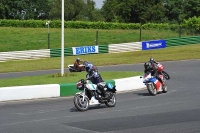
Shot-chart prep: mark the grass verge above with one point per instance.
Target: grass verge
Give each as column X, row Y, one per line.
column 68, row 78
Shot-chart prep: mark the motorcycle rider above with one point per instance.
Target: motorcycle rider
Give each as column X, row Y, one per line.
column 148, row 67
column 90, row 65
column 77, row 65
column 153, row 62
column 94, row 76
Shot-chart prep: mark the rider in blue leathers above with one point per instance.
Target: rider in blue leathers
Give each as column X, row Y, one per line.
column 94, row 76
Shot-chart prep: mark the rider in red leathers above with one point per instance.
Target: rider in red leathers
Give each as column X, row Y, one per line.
column 154, row 72
column 77, row 65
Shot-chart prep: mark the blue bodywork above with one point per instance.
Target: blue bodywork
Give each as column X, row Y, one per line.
column 151, row 80
column 111, row 88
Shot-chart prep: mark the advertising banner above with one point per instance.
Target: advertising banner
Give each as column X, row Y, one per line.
column 154, row 44
column 85, row 50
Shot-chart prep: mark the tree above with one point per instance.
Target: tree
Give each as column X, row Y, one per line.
column 109, row 11
column 133, row 10
column 177, row 10
column 76, row 10
column 24, row 9
column 90, row 13
column 2, row 11
column 71, row 12
column 191, row 8
column 154, row 11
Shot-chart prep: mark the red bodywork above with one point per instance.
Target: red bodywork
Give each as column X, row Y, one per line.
column 160, row 67
column 158, row 84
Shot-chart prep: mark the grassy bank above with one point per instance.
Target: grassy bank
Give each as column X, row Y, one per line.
column 53, row 79
column 167, row 54
column 18, row 39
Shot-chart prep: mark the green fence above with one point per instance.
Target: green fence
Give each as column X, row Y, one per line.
column 183, row 41
column 103, row 48
column 57, row 52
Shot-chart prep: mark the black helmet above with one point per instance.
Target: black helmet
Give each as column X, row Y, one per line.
column 151, row 60
column 147, row 65
column 78, row 59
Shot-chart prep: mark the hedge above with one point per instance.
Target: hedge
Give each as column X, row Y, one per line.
column 192, row 23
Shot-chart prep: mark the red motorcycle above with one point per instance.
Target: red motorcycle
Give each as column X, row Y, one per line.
column 153, row 84
column 72, row 69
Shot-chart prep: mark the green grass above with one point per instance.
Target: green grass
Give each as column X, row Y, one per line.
column 168, row 54
column 19, row 39
column 69, row 78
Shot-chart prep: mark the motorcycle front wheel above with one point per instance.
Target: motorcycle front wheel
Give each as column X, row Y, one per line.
column 111, row 102
column 166, row 75
column 81, row 104
column 151, row 89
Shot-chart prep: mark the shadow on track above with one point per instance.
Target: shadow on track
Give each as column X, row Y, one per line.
column 74, row 109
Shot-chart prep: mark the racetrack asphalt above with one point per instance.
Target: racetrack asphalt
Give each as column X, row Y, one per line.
column 124, row 67
column 177, row 111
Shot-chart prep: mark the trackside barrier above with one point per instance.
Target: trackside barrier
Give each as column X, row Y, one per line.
column 127, row 84
column 153, row 44
column 183, row 41
column 79, row 50
column 125, row 47
column 108, row 48
column 57, row 52
column 56, row 90
column 29, row 92
column 24, row 55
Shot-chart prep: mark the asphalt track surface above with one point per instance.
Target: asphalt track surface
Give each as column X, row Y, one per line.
column 177, row 111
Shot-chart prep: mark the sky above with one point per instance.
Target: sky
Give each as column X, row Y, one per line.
column 99, row 3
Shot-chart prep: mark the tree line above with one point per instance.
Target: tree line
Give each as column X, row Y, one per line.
column 125, row 11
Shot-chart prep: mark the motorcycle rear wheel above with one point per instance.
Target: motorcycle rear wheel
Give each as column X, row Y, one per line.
column 80, row 104
column 164, row 89
column 166, row 75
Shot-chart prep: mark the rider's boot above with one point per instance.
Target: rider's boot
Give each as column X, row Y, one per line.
column 105, row 95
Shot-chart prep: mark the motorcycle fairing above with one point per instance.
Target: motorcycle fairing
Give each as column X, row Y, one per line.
column 158, row 85
column 110, row 86
column 91, row 86
column 156, row 82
